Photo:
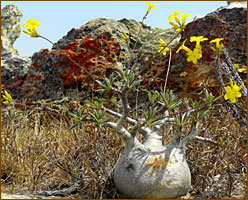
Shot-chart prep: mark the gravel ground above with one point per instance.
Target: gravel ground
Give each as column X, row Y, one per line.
column 18, row 196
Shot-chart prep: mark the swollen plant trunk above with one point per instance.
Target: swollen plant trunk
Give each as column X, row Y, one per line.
column 151, row 170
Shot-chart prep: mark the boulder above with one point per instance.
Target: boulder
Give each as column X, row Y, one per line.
column 96, row 46
column 14, row 68
column 10, row 29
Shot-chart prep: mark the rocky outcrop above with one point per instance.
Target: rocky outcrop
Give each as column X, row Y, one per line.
column 10, row 29
column 95, row 47
column 147, row 39
column 228, row 22
column 14, row 68
column 92, row 51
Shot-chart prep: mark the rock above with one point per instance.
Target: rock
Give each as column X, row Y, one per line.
column 237, row 2
column 96, row 46
column 94, row 27
column 228, row 22
column 53, row 72
column 10, row 29
column 148, row 36
column 14, row 68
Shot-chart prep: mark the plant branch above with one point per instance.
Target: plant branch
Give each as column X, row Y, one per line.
column 202, row 139
column 191, row 136
column 125, row 108
column 121, row 131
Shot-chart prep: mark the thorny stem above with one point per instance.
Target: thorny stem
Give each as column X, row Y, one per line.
column 144, row 131
column 192, row 136
column 228, row 69
column 176, row 136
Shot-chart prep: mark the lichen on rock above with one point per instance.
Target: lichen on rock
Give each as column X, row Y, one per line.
column 10, row 28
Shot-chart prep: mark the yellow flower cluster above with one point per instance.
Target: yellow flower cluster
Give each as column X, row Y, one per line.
column 218, row 46
column 180, row 25
column 7, row 97
column 125, row 38
column 236, row 68
column 31, row 27
column 196, row 54
column 162, row 47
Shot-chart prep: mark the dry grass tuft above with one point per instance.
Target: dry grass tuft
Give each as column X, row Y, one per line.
column 39, row 153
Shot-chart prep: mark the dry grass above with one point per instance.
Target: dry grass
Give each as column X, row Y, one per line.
column 39, row 153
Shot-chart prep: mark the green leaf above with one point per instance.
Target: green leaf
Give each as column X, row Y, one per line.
column 150, row 117
column 135, row 83
column 224, row 140
column 73, row 126
column 72, row 115
column 170, row 100
column 101, row 84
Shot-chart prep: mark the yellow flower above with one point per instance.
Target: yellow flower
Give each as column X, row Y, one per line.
column 236, row 68
column 150, row 7
column 162, row 48
column 180, row 27
column 32, row 33
column 197, row 39
column 174, row 16
column 31, row 27
column 31, row 24
column 233, row 92
column 8, row 99
column 183, row 16
column 176, row 26
column 194, row 55
column 218, row 46
column 125, row 38
column 183, row 47
column 217, row 41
